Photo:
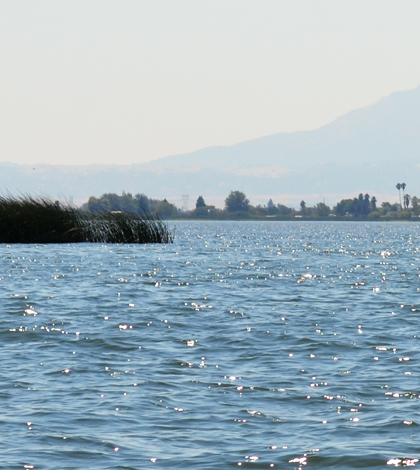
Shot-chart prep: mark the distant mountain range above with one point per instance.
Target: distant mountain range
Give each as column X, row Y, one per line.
column 367, row 150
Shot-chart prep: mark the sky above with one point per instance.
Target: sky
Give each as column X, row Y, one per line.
column 129, row 81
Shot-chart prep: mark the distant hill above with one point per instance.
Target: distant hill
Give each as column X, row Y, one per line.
column 369, row 149
column 380, row 132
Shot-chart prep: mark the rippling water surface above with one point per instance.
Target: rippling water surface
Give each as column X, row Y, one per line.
column 250, row 345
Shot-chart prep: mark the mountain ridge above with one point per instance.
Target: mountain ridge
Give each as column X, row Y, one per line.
column 366, row 121
column 370, row 148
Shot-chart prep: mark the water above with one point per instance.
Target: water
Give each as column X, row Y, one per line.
column 241, row 345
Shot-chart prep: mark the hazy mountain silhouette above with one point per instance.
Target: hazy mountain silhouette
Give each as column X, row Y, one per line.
column 371, row 148
column 381, row 132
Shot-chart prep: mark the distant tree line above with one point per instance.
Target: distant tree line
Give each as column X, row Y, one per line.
column 237, row 206
column 137, row 204
column 360, row 206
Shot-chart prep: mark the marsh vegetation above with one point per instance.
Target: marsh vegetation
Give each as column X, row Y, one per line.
column 29, row 219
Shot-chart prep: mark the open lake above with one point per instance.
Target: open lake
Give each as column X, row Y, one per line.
column 241, row 345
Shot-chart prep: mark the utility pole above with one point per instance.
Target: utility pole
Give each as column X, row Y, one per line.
column 185, row 198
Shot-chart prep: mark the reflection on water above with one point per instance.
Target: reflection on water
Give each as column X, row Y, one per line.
column 243, row 344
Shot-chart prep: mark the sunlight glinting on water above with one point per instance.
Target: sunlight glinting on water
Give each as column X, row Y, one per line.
column 252, row 345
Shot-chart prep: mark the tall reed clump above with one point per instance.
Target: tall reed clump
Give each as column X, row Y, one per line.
column 125, row 227
column 31, row 219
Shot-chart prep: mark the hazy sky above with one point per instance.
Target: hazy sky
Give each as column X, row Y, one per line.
column 127, row 81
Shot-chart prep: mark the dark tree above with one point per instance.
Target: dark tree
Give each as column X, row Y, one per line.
column 366, row 205
column 236, row 201
column 284, row 210
column 142, row 203
column 322, row 209
column 344, row 207
column 359, row 206
column 398, row 186
column 403, row 186
column 302, row 206
column 415, row 205
column 166, row 210
column 387, row 207
column 373, row 203
column 200, row 202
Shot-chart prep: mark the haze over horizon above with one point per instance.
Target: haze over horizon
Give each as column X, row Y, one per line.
column 134, row 81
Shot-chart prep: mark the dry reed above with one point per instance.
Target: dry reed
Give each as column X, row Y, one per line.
column 29, row 219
